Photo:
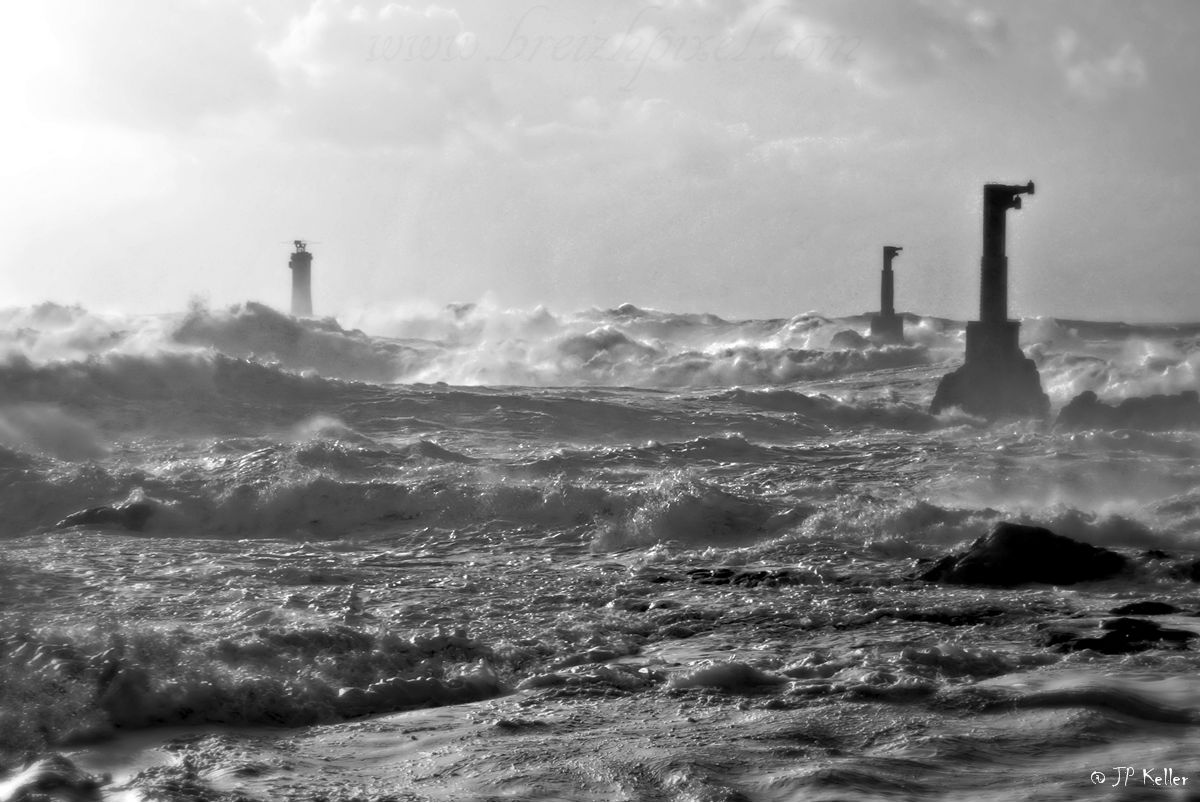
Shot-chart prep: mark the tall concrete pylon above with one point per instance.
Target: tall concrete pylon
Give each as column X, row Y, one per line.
column 996, row 380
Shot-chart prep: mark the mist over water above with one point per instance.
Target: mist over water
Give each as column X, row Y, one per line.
column 234, row 517
column 627, row 346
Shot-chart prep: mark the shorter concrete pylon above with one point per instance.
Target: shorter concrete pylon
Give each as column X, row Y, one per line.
column 887, row 326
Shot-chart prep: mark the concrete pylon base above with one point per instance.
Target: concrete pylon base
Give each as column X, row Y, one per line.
column 887, row 329
column 997, row 380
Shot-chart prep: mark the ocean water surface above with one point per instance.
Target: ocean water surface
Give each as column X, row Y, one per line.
column 615, row 554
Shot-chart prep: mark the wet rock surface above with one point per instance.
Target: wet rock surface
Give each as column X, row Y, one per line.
column 1015, row 554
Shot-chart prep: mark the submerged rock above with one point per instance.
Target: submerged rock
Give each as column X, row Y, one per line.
column 1186, row 570
column 954, row 618
column 181, row 781
column 1115, row 636
column 748, row 577
column 1144, row 608
column 400, row 693
column 1159, row 412
column 1013, row 554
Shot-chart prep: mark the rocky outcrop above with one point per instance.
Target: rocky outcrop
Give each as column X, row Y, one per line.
column 1160, row 412
column 848, row 339
column 1014, row 554
column 126, row 516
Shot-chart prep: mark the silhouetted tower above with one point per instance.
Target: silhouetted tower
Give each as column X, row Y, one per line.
column 887, row 326
column 301, row 265
column 993, row 280
column 996, row 379
column 994, row 335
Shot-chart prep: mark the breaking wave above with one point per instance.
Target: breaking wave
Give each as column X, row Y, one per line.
column 461, row 345
column 470, row 344
column 1114, row 360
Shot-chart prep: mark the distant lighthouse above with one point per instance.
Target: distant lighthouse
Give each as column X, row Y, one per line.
column 301, row 265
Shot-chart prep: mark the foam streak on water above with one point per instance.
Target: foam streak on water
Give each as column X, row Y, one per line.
column 609, row 554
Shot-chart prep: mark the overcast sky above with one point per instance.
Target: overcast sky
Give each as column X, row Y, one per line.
column 746, row 159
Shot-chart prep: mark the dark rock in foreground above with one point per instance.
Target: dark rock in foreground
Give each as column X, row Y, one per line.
column 1115, row 636
column 1013, row 554
column 1086, row 411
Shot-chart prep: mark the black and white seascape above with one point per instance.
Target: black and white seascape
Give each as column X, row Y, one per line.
column 477, row 401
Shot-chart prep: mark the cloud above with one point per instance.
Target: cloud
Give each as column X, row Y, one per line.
column 395, row 76
column 883, row 47
column 1096, row 78
column 158, row 65
column 333, row 71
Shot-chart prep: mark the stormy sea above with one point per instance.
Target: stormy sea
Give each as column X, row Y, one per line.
column 490, row 554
